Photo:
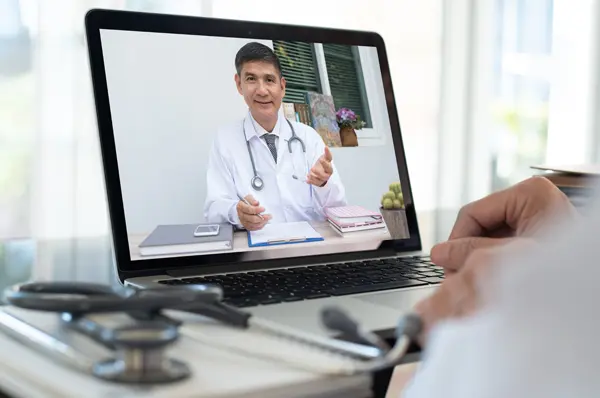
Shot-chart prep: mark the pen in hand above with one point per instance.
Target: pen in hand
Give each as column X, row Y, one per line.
column 248, row 203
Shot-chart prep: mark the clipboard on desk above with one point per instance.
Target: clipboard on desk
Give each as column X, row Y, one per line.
column 283, row 234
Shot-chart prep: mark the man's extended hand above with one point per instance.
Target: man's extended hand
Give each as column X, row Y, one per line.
column 250, row 215
column 322, row 169
column 505, row 220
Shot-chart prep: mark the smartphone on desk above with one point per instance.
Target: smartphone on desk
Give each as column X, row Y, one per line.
column 207, row 230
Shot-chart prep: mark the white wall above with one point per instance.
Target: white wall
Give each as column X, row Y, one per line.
column 166, row 104
column 574, row 94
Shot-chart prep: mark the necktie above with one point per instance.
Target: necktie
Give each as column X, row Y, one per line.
column 270, row 139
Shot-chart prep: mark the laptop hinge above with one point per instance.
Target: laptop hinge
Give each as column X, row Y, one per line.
column 273, row 264
column 218, row 269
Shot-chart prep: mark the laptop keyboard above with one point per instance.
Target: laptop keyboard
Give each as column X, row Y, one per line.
column 304, row 283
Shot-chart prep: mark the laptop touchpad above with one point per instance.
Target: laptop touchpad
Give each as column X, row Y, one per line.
column 403, row 300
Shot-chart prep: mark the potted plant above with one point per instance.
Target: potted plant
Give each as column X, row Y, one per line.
column 348, row 122
column 393, row 211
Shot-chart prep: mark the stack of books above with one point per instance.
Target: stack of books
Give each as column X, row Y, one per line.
column 349, row 219
column 578, row 182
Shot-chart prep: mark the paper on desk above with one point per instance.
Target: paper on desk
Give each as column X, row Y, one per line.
column 283, row 233
column 255, row 342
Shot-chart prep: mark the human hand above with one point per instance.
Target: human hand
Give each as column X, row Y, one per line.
column 322, row 169
column 250, row 215
column 502, row 222
column 521, row 210
column 464, row 291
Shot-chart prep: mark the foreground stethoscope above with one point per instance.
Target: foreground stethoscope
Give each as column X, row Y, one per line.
column 257, row 182
column 139, row 348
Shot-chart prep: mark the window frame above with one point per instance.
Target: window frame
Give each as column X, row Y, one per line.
column 367, row 84
column 364, row 96
column 318, row 73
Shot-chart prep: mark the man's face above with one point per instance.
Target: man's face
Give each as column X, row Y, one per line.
column 262, row 88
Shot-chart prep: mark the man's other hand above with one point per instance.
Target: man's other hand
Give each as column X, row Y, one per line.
column 250, row 215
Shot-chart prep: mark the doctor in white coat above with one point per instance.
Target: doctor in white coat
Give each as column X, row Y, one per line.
column 282, row 168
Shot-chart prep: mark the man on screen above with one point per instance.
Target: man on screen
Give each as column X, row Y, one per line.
column 264, row 168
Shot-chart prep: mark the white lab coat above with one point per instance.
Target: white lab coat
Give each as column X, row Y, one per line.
column 229, row 173
column 537, row 337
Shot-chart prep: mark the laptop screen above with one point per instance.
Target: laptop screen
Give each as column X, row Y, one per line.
column 267, row 148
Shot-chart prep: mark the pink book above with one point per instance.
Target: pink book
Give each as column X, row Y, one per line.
column 350, row 211
column 352, row 216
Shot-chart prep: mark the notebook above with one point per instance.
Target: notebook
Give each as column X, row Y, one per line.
column 180, row 239
column 283, row 233
column 284, row 350
column 344, row 231
column 262, row 365
column 350, row 211
column 351, row 217
column 592, row 170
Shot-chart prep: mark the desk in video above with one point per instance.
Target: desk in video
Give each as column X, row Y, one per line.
column 235, row 145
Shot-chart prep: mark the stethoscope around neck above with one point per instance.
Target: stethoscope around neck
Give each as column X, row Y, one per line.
column 257, row 182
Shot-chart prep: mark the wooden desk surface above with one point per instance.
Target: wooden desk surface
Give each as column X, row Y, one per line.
column 333, row 241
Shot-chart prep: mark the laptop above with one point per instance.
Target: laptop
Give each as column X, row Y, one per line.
column 166, row 96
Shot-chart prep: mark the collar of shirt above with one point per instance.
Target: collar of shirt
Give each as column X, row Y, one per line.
column 260, row 131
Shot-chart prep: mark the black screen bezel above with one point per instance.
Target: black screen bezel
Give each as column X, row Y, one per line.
column 98, row 19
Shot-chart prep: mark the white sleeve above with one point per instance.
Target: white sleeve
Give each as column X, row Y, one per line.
column 221, row 195
column 538, row 334
column 333, row 192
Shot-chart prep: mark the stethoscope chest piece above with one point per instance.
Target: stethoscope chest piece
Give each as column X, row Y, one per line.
column 140, row 355
column 257, row 183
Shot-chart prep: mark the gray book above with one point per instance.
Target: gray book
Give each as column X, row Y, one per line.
column 180, row 239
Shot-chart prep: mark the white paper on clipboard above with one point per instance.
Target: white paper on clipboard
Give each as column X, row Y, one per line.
column 283, row 233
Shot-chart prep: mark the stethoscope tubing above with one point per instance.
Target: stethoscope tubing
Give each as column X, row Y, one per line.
column 77, row 297
column 257, row 181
